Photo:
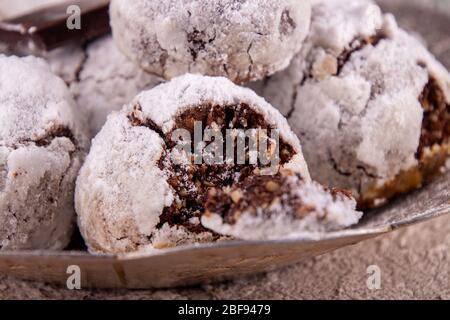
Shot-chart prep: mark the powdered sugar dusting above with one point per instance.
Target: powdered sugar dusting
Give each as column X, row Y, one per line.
column 29, row 106
column 42, row 144
column 357, row 18
column 107, row 81
column 66, row 62
column 192, row 90
column 100, row 77
column 120, row 191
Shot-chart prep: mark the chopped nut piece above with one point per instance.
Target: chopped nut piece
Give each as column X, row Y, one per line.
column 324, row 67
column 212, row 192
column 302, row 212
column 236, row 196
column 272, row 186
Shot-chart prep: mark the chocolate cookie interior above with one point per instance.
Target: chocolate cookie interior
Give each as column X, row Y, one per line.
column 192, row 182
column 263, row 195
column 434, row 148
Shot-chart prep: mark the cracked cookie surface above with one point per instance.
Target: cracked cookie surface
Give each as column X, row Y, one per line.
column 42, row 144
column 368, row 101
column 241, row 40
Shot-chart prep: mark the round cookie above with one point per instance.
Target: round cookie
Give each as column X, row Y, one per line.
column 369, row 102
column 101, row 78
column 241, row 40
column 42, row 145
column 138, row 190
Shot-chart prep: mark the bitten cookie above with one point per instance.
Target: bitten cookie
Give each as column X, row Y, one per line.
column 42, row 144
column 138, row 189
column 241, row 40
column 100, row 77
column 369, row 102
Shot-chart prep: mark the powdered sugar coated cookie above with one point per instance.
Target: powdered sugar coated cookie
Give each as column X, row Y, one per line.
column 369, row 102
column 42, row 143
column 242, row 40
column 132, row 195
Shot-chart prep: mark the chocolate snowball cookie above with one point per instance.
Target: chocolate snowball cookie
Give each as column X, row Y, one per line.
column 100, row 77
column 369, row 102
column 42, row 145
column 241, row 40
column 138, row 190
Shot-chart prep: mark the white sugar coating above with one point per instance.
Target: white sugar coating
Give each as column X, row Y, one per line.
column 334, row 32
column 66, row 62
column 243, row 40
column 42, row 144
column 333, row 27
column 329, row 214
column 359, row 123
column 101, row 78
column 122, row 189
column 107, row 81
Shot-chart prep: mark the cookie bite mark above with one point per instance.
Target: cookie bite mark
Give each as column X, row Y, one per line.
column 263, row 195
column 191, row 182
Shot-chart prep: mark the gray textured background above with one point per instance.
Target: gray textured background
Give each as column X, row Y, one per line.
column 415, row 262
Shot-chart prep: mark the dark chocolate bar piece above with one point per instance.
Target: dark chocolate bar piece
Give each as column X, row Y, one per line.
column 47, row 29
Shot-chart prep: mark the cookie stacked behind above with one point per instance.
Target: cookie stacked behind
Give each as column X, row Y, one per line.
column 370, row 104
column 100, row 77
column 241, row 40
